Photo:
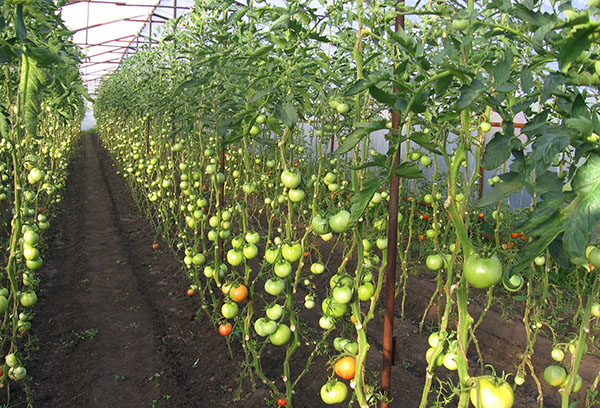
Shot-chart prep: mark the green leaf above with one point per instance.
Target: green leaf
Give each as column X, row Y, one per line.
column 549, row 232
column 351, row 141
column 20, row 23
column 576, row 42
column 551, row 82
column 582, row 216
column 549, row 144
column 581, row 124
column 497, row 151
column 469, row 93
column 260, row 93
column 527, row 83
column 361, row 200
column 544, row 209
column 378, row 161
column 501, row 71
column 443, row 84
column 511, row 183
column 424, row 140
column 408, row 171
column 382, row 96
column 369, row 81
column 287, row 113
column 259, row 52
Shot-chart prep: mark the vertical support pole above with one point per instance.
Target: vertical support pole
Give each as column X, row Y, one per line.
column 390, row 273
column 174, row 8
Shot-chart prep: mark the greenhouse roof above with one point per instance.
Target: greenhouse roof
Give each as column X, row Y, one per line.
column 109, row 30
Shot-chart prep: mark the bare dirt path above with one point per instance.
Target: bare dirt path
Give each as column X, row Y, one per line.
column 113, row 322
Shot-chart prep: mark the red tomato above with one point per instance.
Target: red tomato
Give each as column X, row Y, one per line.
column 225, row 329
column 515, row 235
column 281, row 402
column 155, row 246
column 190, row 292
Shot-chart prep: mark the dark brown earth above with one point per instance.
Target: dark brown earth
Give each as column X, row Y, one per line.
column 115, row 327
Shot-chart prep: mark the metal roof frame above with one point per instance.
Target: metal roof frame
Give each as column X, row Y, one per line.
column 109, row 54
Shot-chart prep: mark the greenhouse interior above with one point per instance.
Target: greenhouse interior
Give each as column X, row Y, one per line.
column 288, row 203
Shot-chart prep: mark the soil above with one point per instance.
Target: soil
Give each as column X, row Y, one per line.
column 115, row 327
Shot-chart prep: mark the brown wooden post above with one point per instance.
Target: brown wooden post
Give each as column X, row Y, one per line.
column 390, row 273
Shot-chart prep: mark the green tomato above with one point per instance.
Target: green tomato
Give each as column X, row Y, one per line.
column 271, row 255
column 282, row 269
column 439, row 358
column 555, row 375
column 252, row 237
column 274, row 286
column 449, row 361
column 382, row 243
column 290, row 179
column 481, row 272
column 35, row 175
column 342, row 108
column 431, row 233
column 30, row 253
column 489, row 392
column 485, row 127
column 234, row 257
column 198, row 259
column 596, row 309
column 3, row 304
column 414, row 156
column 340, row 222
column 296, row 195
column 342, row 294
column 428, row 199
column 460, row 24
column 516, row 282
column 434, row 262
column 326, row 322
column 281, row 335
column 229, row 310
column 577, row 383
column 28, row 298
column 250, row 251
column 320, row 225
column 260, row 119
column 17, row 373
column 327, row 237
column 557, row 354
column 435, row 339
column 351, row 347
column 366, row 291
column 539, row 260
column 594, row 256
column 264, row 327
column 31, row 237
column 274, row 312
column 334, row 392
column 291, row 252
column 333, row 309
column 317, row 268
column 254, row 130
column 425, row 161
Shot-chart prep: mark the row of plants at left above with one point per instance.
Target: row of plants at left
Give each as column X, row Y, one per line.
column 41, row 108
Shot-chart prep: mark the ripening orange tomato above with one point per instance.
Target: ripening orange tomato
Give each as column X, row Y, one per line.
column 190, row 292
column 345, row 367
column 238, row 293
